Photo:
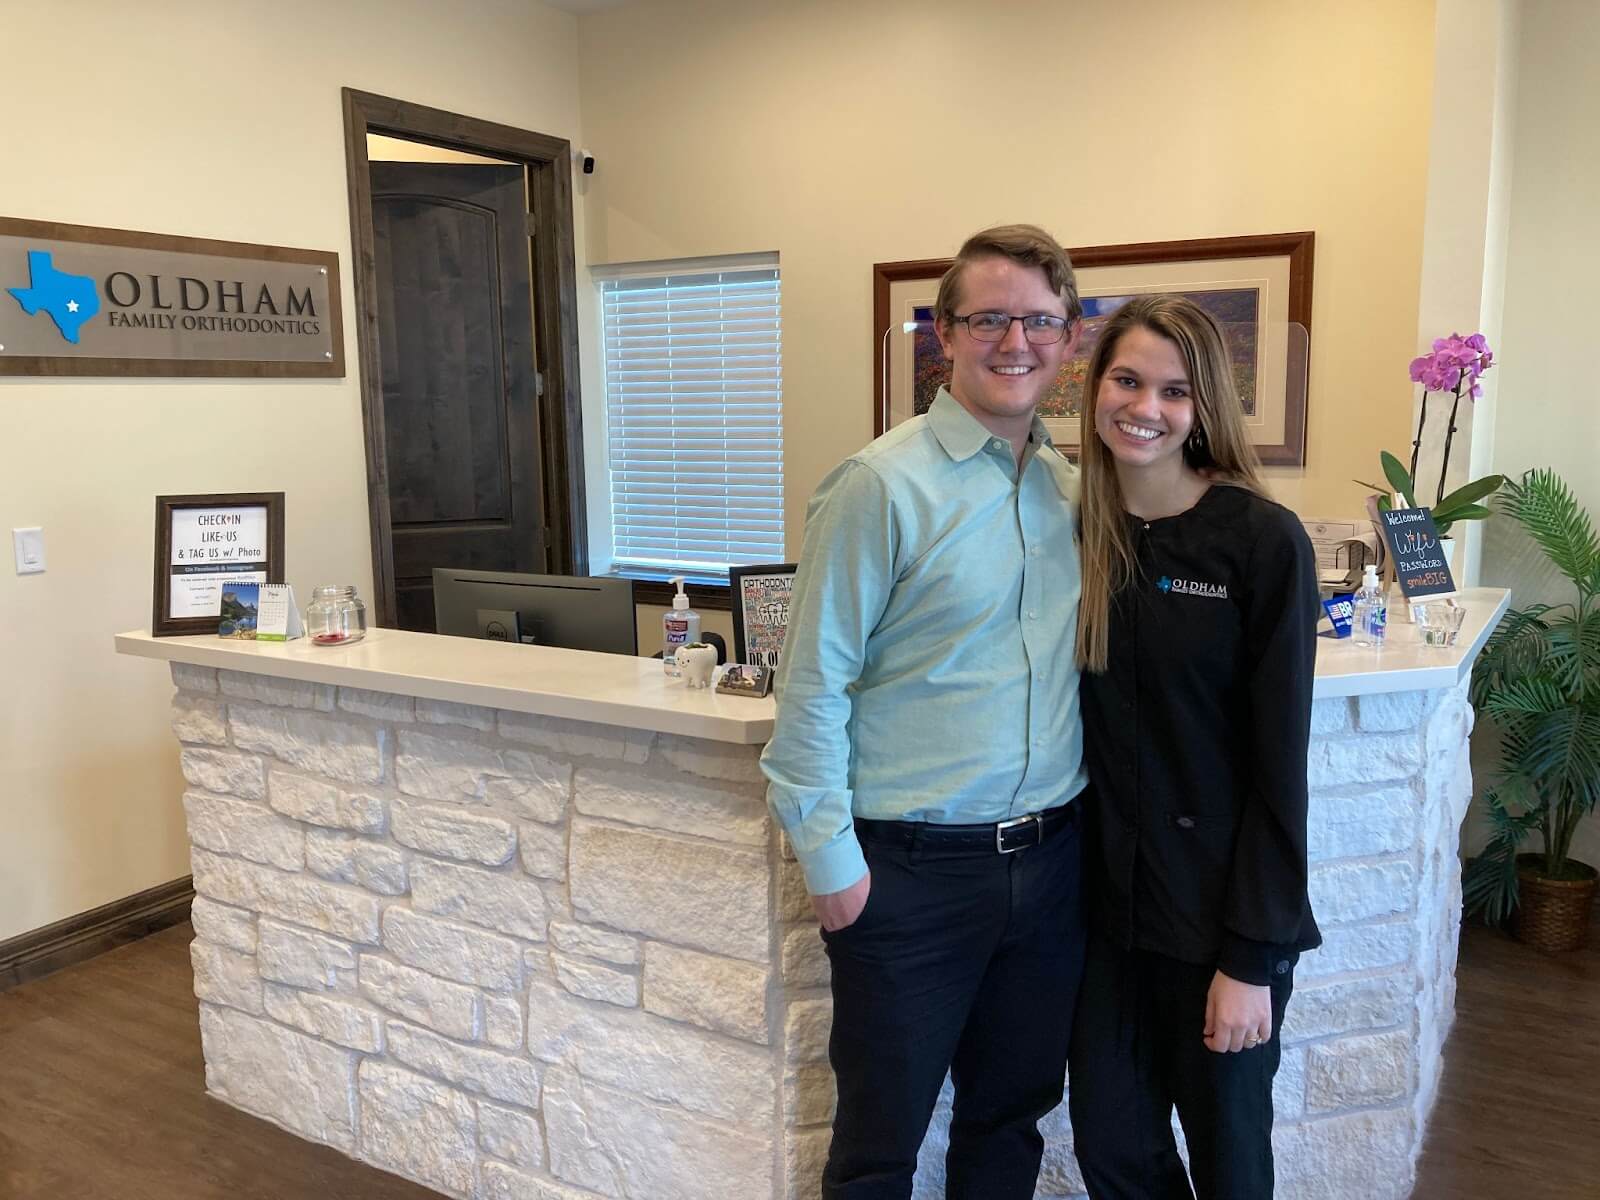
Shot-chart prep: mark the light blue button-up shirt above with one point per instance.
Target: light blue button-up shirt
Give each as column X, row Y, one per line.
column 928, row 673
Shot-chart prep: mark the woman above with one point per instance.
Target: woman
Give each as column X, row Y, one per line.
column 1197, row 640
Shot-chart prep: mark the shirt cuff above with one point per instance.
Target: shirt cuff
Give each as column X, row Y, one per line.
column 833, row 866
column 1255, row 963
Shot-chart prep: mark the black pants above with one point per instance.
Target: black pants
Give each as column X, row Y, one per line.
column 965, row 961
column 1138, row 1051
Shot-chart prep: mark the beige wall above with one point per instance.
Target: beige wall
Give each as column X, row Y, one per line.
column 214, row 121
column 1470, row 151
column 381, row 148
column 840, row 134
column 1547, row 414
column 837, row 134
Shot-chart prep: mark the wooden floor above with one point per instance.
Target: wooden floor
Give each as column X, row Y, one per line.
column 102, row 1092
column 102, row 1097
column 1518, row 1116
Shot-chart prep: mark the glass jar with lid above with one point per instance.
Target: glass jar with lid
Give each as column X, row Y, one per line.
column 336, row 616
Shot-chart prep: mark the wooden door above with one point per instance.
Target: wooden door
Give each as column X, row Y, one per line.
column 460, row 375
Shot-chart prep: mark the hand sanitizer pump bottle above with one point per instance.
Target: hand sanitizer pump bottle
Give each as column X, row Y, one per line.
column 1371, row 621
column 679, row 627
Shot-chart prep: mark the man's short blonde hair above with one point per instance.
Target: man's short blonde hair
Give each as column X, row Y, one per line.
column 1025, row 244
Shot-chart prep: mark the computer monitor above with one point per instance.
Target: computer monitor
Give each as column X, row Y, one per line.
column 573, row 612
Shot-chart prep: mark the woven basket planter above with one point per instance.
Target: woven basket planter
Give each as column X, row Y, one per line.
column 1553, row 915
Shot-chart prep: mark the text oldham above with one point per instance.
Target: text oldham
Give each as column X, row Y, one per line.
column 126, row 290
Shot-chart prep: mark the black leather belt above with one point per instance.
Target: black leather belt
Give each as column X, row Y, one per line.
column 999, row 837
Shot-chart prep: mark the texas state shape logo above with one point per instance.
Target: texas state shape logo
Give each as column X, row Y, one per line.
column 69, row 299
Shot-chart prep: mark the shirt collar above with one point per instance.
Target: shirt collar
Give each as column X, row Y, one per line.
column 960, row 433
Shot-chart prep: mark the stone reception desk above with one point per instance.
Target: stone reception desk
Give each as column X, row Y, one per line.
column 514, row 922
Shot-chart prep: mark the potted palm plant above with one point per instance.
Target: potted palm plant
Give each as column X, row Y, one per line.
column 1538, row 680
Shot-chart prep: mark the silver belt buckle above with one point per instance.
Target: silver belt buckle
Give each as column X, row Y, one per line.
column 1000, row 831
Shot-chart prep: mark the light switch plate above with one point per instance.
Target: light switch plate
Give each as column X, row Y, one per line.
column 29, row 547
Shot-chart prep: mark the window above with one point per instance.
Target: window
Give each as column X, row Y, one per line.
column 694, row 414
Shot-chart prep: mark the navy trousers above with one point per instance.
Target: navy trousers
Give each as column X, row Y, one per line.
column 964, row 961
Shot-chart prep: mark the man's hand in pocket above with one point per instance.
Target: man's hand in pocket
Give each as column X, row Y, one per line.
column 838, row 910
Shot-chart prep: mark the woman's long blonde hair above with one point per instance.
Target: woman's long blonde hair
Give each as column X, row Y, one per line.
column 1223, row 453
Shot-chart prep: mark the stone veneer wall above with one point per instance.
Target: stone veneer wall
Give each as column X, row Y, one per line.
column 506, row 956
column 522, row 958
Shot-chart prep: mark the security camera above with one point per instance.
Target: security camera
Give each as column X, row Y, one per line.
column 588, row 162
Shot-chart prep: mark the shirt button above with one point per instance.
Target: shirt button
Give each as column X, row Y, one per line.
column 1032, row 615
column 998, row 444
column 1185, row 822
column 1033, row 551
column 1282, row 968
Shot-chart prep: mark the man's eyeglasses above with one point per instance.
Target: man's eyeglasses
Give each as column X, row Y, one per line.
column 1042, row 329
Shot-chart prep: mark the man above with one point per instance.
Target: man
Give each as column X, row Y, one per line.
column 928, row 746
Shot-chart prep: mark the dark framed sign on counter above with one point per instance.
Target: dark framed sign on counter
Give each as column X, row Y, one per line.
column 760, row 596
column 202, row 540
column 1415, row 549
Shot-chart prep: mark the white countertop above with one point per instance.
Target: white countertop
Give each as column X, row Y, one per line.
column 614, row 689
column 608, row 689
column 1405, row 664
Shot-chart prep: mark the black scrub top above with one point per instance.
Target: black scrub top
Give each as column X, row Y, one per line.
column 1196, row 738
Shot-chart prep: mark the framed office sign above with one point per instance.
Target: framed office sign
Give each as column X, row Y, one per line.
column 760, row 611
column 1419, row 563
column 81, row 300
column 202, row 541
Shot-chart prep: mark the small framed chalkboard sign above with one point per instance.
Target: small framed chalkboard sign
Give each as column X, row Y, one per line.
column 760, row 611
column 1413, row 543
column 202, row 540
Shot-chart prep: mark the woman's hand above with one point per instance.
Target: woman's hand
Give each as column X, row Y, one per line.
column 1238, row 1015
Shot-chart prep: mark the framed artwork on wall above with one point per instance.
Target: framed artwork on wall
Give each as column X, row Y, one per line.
column 1259, row 289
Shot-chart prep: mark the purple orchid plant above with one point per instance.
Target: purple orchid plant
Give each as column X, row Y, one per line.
column 1454, row 366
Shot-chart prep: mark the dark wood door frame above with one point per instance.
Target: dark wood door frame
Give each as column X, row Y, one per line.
column 549, row 163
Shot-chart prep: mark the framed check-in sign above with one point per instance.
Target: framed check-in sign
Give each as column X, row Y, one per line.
column 203, row 540
column 79, row 300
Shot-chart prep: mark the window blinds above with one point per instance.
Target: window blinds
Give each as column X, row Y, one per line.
column 694, row 417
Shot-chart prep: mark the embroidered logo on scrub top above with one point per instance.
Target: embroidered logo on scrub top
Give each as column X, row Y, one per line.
column 1193, row 587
